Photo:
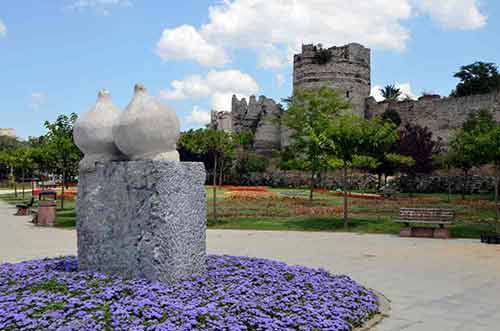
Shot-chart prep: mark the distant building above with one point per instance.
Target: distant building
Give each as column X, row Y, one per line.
column 8, row 132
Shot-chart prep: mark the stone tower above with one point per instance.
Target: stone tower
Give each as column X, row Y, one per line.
column 346, row 69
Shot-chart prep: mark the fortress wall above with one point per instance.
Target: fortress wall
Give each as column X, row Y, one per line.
column 262, row 117
column 441, row 115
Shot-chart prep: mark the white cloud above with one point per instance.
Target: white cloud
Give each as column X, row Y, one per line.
column 217, row 85
column 3, row 29
column 185, row 42
column 406, row 91
column 276, row 29
column 198, row 116
column 37, row 100
column 280, row 79
column 101, row 6
column 453, row 14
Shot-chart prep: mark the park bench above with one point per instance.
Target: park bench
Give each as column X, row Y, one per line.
column 24, row 209
column 426, row 216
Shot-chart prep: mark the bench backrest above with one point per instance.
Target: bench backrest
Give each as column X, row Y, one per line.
column 430, row 214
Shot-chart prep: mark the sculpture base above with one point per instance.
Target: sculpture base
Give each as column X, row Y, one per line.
column 143, row 219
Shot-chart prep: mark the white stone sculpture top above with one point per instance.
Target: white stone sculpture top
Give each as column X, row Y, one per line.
column 147, row 129
column 93, row 133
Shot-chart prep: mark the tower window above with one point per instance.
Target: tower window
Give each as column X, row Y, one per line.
column 348, row 94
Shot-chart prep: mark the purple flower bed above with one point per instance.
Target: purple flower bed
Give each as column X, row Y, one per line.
column 237, row 294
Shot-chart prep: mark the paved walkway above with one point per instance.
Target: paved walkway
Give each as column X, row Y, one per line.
column 434, row 285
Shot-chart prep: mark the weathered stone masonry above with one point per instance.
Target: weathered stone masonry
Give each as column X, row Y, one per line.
column 349, row 72
column 440, row 115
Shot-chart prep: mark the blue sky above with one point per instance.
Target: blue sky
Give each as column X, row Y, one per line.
column 55, row 55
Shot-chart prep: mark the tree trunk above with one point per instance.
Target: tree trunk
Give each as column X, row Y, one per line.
column 464, row 186
column 221, row 174
column 497, row 212
column 344, row 184
column 15, row 186
column 215, row 188
column 311, row 191
column 449, row 184
column 379, row 181
column 62, row 190
column 23, row 173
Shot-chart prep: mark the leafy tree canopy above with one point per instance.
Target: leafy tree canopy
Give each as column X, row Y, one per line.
column 477, row 78
column 8, row 143
column 391, row 92
column 480, row 122
column 59, row 147
column 417, row 142
column 391, row 114
column 309, row 115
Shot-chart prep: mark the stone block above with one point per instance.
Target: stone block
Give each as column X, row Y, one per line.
column 143, row 219
column 423, row 232
column 405, row 232
column 442, row 233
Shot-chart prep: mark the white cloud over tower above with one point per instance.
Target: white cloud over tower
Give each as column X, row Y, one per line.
column 276, row 29
column 217, row 85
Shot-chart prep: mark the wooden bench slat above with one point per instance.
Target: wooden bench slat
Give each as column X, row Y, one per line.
column 424, row 222
column 426, row 216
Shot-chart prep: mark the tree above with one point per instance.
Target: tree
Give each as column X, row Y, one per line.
column 7, row 146
column 445, row 161
column 351, row 139
column 321, row 55
column 388, row 161
column 480, row 121
column 219, row 146
column 7, row 158
column 61, row 150
column 391, row 114
column 467, row 146
column 391, row 92
column 491, row 151
column 417, row 142
column 477, row 78
column 24, row 162
column 309, row 115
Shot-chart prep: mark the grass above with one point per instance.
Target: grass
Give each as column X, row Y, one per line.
column 331, row 224
column 65, row 218
column 280, row 212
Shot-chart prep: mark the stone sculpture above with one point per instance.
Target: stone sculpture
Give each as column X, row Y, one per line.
column 147, row 129
column 145, row 216
column 93, row 133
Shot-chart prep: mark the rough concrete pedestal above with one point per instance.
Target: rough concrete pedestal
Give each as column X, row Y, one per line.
column 143, row 219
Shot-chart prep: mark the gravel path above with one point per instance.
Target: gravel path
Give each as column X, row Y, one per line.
column 434, row 285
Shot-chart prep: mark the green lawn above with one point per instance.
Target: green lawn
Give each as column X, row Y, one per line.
column 279, row 212
column 65, row 218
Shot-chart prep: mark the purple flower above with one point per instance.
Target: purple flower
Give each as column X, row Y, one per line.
column 237, row 293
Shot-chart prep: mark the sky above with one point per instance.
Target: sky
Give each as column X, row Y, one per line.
column 55, row 55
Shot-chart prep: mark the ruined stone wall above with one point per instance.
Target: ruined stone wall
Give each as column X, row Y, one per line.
column 441, row 115
column 262, row 117
column 221, row 120
column 348, row 72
